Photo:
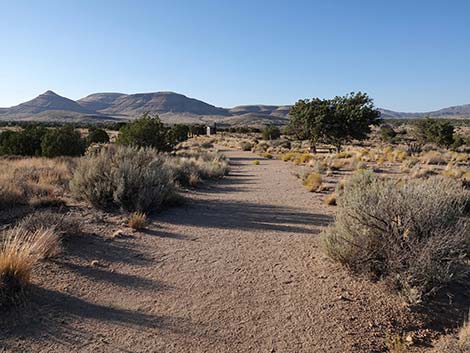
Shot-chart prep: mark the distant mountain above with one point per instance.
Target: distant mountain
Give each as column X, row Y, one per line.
column 99, row 101
column 48, row 101
column 172, row 108
column 159, row 102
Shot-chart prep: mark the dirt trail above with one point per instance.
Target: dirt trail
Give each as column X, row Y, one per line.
column 237, row 269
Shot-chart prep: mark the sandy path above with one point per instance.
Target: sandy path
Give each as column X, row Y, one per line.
column 237, row 269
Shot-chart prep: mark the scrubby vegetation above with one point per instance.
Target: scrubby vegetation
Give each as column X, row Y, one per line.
column 20, row 251
column 131, row 178
column 137, row 220
column 413, row 234
column 147, row 131
column 33, row 181
column 190, row 167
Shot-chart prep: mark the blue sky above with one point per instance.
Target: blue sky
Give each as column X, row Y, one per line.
column 408, row 55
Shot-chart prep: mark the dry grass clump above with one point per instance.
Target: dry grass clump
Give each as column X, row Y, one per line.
column 62, row 224
column 134, row 179
column 434, row 158
column 420, row 173
column 267, row 155
column 458, row 344
column 313, row 182
column 413, row 234
column 137, row 220
column 36, row 181
column 20, row 251
column 330, row 199
column 190, row 167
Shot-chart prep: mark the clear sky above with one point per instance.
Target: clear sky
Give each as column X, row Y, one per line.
column 409, row 55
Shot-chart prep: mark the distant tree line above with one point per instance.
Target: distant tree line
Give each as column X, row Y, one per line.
column 65, row 140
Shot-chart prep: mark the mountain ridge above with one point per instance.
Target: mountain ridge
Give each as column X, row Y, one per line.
column 172, row 107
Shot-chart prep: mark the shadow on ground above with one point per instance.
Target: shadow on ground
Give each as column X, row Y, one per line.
column 52, row 315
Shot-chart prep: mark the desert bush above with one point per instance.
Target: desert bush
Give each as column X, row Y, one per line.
column 256, row 162
column 458, row 344
column 64, row 141
column 267, row 155
column 434, row 158
column 412, row 234
column 96, row 135
column 330, row 199
column 435, row 131
column 387, row 133
column 180, row 132
column 33, row 180
column 190, row 167
column 134, row 179
column 20, row 251
column 246, row 146
column 62, row 224
column 313, row 182
column 137, row 220
column 147, row 131
column 271, row 132
column 22, row 143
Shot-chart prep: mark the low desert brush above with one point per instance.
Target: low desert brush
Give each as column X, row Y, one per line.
column 134, row 179
column 313, row 182
column 330, row 199
column 20, row 251
column 455, row 344
column 256, row 162
column 36, row 181
column 415, row 234
column 137, row 220
column 62, row 223
column 246, row 146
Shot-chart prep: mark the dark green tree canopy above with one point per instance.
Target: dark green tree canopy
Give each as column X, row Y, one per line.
column 147, row 131
column 180, row 132
column 334, row 121
column 64, row 141
column 435, row 131
column 96, row 135
column 271, row 132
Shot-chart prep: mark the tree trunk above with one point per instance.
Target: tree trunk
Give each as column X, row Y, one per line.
column 313, row 148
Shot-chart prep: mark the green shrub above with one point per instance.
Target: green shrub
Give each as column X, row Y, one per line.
column 134, row 179
column 64, row 141
column 435, row 131
column 271, row 132
column 146, row 131
column 22, row 143
column 387, row 133
column 96, row 135
column 413, row 234
column 179, row 132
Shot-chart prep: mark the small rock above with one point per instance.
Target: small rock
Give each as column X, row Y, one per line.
column 409, row 339
column 118, row 234
column 95, row 263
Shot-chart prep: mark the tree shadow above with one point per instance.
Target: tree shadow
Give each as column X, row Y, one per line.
column 246, row 216
column 91, row 247
column 116, row 278
column 50, row 311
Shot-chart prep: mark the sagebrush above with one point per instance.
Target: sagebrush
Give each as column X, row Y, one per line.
column 414, row 234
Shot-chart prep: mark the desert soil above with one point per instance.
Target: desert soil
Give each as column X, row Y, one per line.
column 238, row 268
